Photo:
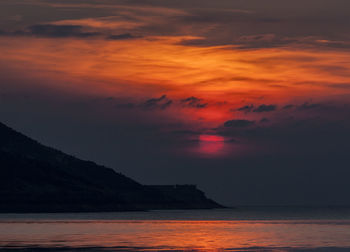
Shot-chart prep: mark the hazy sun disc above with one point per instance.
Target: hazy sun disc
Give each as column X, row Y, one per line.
column 212, row 145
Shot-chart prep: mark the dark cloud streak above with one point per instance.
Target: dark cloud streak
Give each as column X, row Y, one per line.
column 193, row 102
column 60, row 31
column 157, row 103
column 265, row 108
column 238, row 123
column 122, row 36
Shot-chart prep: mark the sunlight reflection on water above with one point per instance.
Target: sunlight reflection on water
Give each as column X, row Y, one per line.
column 167, row 234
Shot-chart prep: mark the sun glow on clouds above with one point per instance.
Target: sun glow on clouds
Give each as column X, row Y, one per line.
column 211, row 138
column 162, row 65
column 150, row 67
column 223, row 78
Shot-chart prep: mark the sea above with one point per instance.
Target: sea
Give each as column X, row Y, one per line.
column 232, row 229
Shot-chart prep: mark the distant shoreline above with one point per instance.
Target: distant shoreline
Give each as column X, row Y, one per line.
column 133, row 249
column 112, row 211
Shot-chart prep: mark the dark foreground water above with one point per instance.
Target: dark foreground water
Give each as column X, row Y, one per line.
column 242, row 229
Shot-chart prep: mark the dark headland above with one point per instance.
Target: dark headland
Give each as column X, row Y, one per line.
column 36, row 178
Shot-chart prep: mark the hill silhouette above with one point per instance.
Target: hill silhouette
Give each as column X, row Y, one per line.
column 36, row 178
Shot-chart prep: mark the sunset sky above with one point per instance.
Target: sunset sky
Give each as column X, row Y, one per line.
column 249, row 99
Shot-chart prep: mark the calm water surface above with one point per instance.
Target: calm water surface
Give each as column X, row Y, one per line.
column 242, row 229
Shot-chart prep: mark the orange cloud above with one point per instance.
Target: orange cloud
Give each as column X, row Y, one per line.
column 153, row 66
